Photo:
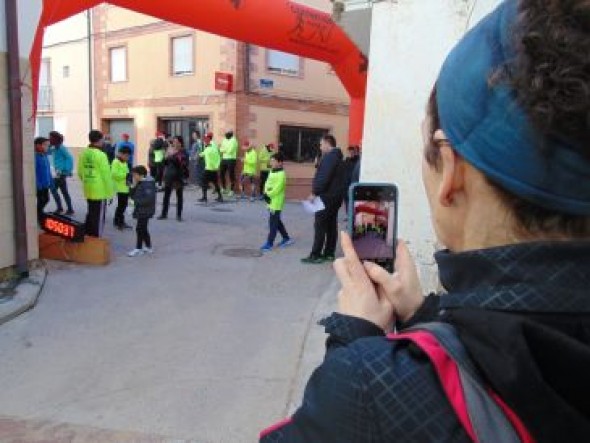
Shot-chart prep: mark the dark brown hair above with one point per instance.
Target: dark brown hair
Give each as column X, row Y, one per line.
column 551, row 77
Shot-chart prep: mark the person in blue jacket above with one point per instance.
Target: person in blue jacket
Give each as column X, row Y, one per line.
column 42, row 176
column 125, row 142
column 63, row 165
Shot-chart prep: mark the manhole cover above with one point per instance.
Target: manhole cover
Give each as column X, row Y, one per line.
column 242, row 253
column 222, row 209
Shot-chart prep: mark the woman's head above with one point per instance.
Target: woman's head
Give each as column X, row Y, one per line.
column 507, row 157
column 178, row 141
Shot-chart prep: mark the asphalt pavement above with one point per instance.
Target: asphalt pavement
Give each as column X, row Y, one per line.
column 205, row 341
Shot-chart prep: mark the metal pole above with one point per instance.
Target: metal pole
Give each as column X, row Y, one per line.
column 16, row 139
column 90, row 79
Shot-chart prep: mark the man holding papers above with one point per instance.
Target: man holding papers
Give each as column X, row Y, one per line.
column 329, row 185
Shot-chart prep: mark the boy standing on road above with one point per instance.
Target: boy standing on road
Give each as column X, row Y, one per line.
column 120, row 173
column 143, row 194
column 274, row 194
column 63, row 163
column 42, row 176
column 95, row 174
column 212, row 163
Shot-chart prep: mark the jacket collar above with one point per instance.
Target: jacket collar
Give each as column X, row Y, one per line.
column 539, row 277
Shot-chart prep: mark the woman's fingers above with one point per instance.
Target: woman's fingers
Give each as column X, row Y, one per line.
column 341, row 268
column 355, row 266
column 403, row 260
column 378, row 274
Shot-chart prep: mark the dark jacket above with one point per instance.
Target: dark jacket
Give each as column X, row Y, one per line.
column 144, row 198
column 176, row 168
column 522, row 312
column 330, row 181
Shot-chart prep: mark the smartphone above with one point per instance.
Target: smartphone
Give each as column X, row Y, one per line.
column 372, row 222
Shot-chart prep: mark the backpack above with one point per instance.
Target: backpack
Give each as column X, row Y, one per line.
column 481, row 412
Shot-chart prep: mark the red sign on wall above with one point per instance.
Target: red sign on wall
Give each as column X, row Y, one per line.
column 224, row 82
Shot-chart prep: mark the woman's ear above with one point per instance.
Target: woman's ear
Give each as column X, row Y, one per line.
column 452, row 176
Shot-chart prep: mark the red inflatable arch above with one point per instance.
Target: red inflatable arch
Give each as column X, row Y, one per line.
column 277, row 24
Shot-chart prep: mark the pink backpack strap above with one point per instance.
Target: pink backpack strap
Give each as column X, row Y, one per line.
column 483, row 415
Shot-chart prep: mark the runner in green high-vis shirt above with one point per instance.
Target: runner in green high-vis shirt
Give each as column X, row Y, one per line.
column 229, row 154
column 212, row 163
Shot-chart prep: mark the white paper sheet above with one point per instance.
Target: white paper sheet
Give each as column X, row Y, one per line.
column 311, row 207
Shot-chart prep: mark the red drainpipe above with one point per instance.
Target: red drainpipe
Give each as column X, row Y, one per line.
column 16, row 140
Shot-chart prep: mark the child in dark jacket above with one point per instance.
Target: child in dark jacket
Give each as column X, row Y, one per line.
column 143, row 193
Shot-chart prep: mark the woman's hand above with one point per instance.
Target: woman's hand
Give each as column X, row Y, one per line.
column 359, row 296
column 402, row 288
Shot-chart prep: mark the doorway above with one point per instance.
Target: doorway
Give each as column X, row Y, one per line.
column 121, row 126
column 184, row 126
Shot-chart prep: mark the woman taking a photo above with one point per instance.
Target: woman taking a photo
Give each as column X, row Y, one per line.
column 507, row 175
column 175, row 175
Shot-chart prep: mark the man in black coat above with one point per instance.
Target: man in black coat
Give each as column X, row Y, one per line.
column 329, row 184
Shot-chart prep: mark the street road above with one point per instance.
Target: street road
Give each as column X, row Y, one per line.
column 188, row 344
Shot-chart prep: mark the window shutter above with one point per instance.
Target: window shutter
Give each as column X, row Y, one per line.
column 283, row 63
column 118, row 64
column 182, row 55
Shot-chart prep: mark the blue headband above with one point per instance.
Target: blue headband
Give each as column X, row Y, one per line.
column 488, row 128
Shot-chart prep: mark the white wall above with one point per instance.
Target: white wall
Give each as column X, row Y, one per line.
column 66, row 44
column 409, row 42
column 29, row 12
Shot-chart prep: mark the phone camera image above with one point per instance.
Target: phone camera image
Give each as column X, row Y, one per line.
column 373, row 233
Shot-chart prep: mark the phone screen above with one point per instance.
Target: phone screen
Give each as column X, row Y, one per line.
column 373, row 223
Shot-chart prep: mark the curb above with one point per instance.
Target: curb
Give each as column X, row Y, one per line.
column 314, row 347
column 26, row 295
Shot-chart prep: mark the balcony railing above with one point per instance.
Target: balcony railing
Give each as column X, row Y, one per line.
column 45, row 99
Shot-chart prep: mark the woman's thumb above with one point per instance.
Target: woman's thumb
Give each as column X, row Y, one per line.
column 376, row 273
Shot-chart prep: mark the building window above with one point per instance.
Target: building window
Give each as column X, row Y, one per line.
column 183, row 55
column 66, row 71
column 118, row 60
column 45, row 96
column 282, row 63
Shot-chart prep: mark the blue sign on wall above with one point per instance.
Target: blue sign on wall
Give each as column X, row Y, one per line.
column 266, row 83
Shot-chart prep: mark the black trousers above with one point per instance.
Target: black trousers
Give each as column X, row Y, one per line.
column 143, row 234
column 42, row 200
column 228, row 166
column 179, row 199
column 61, row 184
column 326, row 229
column 275, row 225
column 263, row 178
column 122, row 203
column 157, row 172
column 208, row 178
column 95, row 217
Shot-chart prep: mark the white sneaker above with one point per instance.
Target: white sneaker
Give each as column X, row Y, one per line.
column 148, row 251
column 135, row 253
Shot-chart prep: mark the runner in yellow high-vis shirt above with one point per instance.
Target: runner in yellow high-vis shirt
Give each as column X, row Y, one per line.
column 95, row 174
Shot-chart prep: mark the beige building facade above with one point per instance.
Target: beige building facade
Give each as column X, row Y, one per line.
column 151, row 75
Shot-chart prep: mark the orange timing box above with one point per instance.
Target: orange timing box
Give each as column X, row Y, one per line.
column 93, row 251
